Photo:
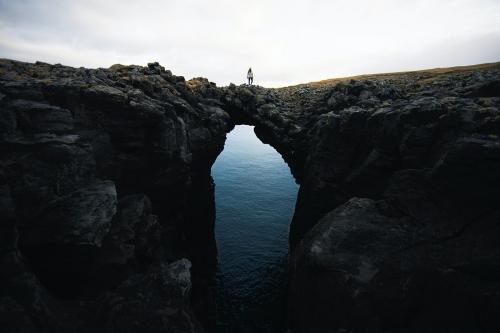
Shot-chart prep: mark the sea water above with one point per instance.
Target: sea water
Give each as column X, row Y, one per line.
column 255, row 196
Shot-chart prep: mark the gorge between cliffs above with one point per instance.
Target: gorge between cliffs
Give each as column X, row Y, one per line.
column 107, row 202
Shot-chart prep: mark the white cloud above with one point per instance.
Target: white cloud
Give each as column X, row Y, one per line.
column 284, row 41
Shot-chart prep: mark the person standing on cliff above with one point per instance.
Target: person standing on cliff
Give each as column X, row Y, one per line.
column 250, row 76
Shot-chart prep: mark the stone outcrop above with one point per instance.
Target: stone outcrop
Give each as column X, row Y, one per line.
column 104, row 187
column 398, row 208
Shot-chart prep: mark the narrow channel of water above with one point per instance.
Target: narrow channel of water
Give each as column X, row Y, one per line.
column 255, row 196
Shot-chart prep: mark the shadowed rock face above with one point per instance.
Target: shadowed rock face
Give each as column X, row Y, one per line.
column 105, row 187
column 398, row 209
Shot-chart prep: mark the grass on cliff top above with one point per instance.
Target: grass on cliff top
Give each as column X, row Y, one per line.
column 434, row 73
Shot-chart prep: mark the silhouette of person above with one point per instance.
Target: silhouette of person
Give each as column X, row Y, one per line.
column 250, row 76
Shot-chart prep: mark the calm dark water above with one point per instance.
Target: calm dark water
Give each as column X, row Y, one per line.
column 255, row 197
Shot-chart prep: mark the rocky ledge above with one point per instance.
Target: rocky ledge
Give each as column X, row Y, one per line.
column 107, row 206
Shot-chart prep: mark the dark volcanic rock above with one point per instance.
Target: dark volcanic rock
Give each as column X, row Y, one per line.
column 336, row 264
column 104, row 180
column 398, row 206
column 157, row 301
column 134, row 232
column 82, row 217
column 105, row 187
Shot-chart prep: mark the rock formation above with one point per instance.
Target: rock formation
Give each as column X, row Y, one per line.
column 105, row 187
column 398, row 215
column 107, row 206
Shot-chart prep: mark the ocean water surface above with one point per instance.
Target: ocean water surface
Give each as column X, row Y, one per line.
column 255, row 196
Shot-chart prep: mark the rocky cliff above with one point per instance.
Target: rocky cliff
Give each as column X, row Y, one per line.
column 397, row 219
column 104, row 188
column 107, row 211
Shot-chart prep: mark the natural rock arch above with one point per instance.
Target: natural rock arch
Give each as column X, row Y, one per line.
column 399, row 187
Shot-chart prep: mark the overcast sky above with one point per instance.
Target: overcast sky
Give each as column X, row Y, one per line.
column 285, row 41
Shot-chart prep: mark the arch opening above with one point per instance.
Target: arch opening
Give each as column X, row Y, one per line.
column 255, row 195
